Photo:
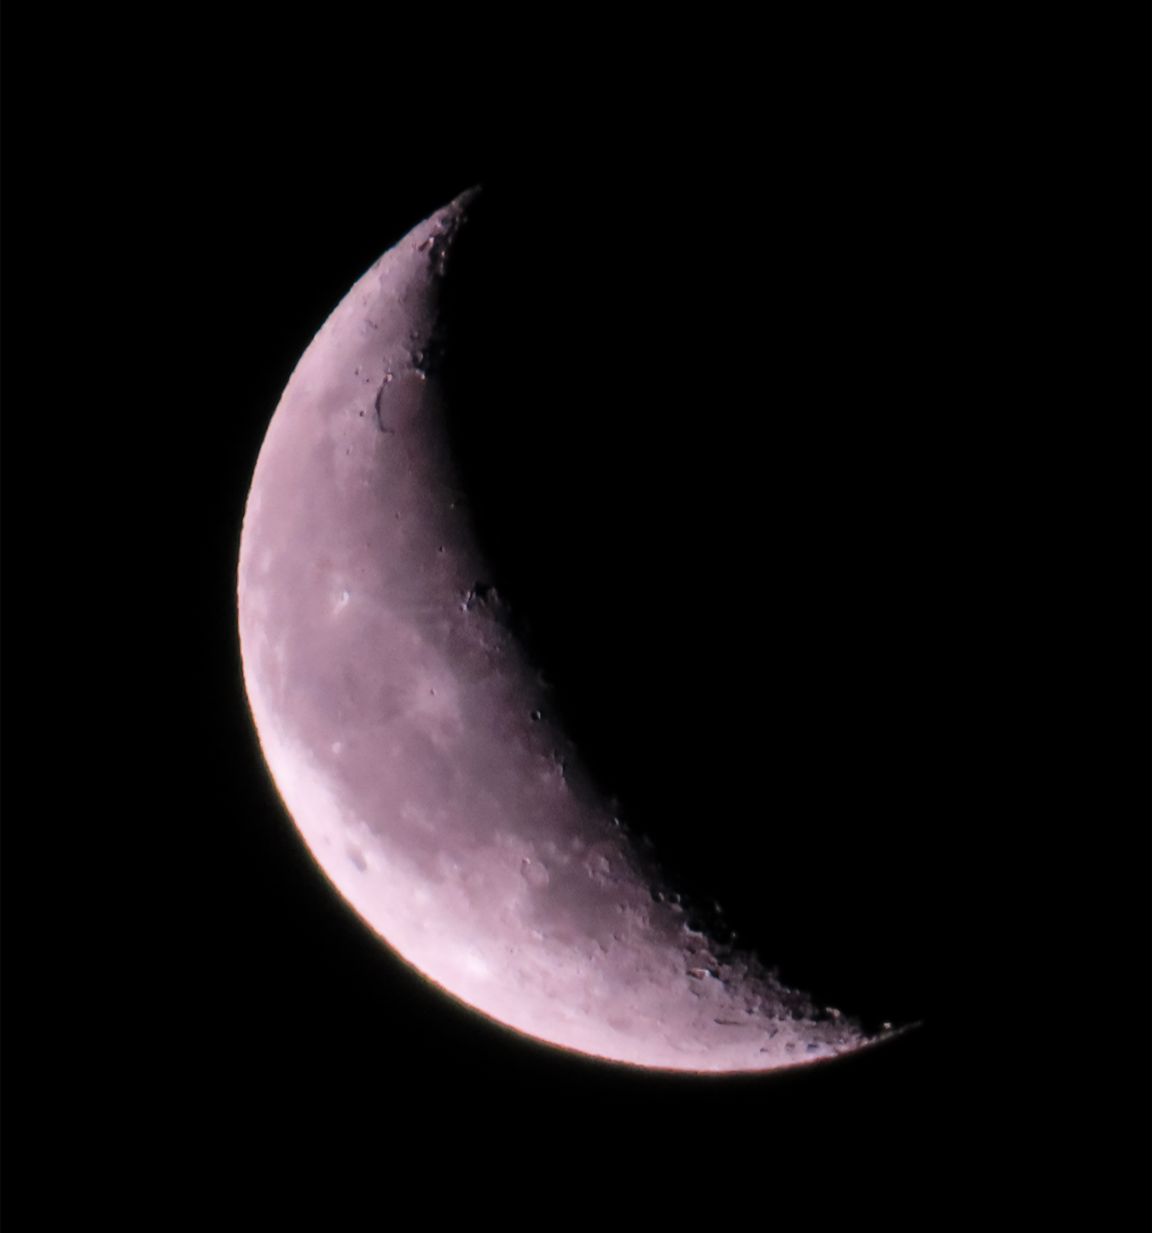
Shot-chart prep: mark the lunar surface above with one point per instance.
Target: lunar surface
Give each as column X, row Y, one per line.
column 411, row 739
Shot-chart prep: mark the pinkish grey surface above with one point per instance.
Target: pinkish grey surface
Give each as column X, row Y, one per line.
column 396, row 713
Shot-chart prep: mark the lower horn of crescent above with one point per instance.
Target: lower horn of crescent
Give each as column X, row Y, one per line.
column 403, row 726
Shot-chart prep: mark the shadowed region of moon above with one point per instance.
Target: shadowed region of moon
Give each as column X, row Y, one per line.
column 668, row 435
column 531, row 660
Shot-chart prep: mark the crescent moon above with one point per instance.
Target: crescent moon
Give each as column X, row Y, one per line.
column 410, row 737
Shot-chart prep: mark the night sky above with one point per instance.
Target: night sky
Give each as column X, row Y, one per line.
column 742, row 414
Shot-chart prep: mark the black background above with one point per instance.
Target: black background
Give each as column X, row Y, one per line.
column 781, row 469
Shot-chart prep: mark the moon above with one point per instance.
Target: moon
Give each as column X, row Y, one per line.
column 412, row 740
